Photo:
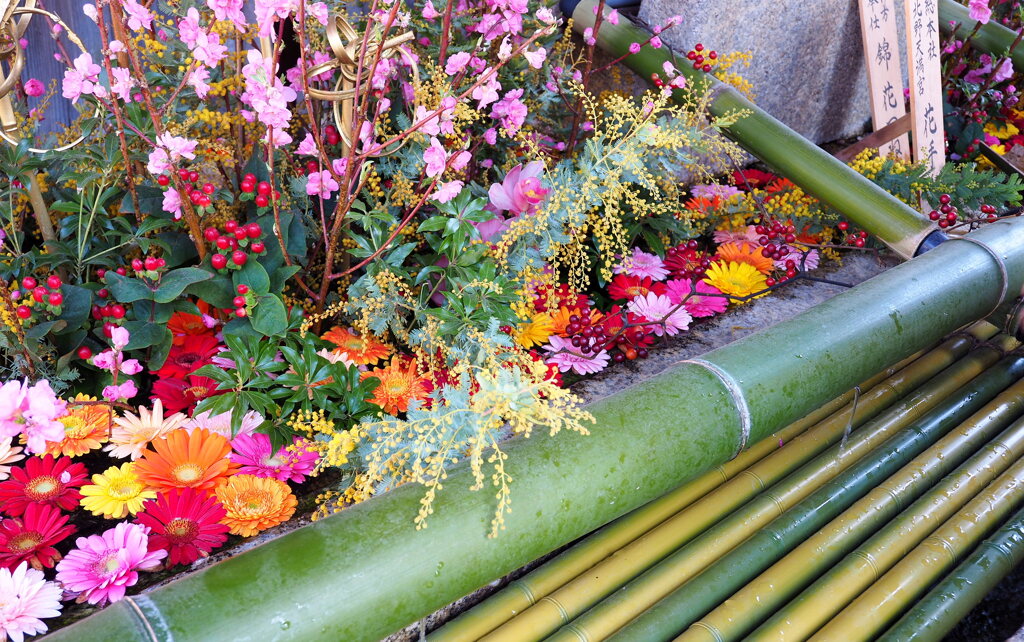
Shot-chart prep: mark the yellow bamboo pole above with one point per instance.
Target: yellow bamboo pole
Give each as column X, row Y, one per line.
column 583, row 592
column 883, row 602
column 747, row 607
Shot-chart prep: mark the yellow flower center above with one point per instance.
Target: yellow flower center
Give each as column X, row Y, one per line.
column 254, row 501
column 187, row 473
column 75, row 428
column 124, row 489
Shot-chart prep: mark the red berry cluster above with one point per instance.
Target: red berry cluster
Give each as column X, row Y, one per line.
column 263, row 190
column 48, row 295
column 198, row 194
column 856, row 239
column 685, row 261
column 240, row 302
column 149, row 267
column 331, row 135
column 630, row 343
column 701, row 59
column 229, row 244
column 947, row 213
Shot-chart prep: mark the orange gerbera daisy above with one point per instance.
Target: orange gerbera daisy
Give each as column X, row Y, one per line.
column 86, row 427
column 704, row 204
column 254, row 504
column 186, row 460
column 562, row 317
column 362, row 350
column 184, row 324
column 746, row 253
column 400, row 383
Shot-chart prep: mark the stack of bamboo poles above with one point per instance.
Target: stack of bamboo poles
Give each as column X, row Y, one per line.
column 830, row 529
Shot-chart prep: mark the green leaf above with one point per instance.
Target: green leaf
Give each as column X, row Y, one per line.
column 281, row 276
column 254, row 275
column 127, row 289
column 76, row 306
column 174, row 282
column 40, row 330
column 433, row 224
column 145, row 334
column 218, row 291
column 270, row 316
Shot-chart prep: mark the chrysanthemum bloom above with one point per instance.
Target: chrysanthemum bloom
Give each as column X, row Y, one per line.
column 562, row 354
column 9, row 454
column 290, row 463
column 25, row 599
column 535, row 331
column 103, row 566
column 186, row 460
column 400, row 383
column 659, row 311
column 185, row 522
column 643, row 264
column 625, row 287
column 362, row 350
column 735, row 279
column 194, row 352
column 180, row 395
column 746, row 253
column 31, row 537
column 43, row 480
column 254, row 504
column 699, row 298
column 86, row 427
column 132, row 433
column 116, row 492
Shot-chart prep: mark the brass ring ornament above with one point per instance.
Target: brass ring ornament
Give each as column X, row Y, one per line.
column 9, row 81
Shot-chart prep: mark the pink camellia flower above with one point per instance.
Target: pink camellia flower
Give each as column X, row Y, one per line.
column 521, row 191
column 566, row 357
column 664, row 316
column 26, row 598
column 321, row 184
column 102, row 567
column 82, row 79
column 138, row 16
column 699, row 299
column 642, row 264
column 31, row 412
column 978, row 10
column 294, row 463
column 34, row 88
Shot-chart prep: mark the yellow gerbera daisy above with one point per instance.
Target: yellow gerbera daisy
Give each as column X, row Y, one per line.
column 735, row 279
column 115, row 493
column 132, row 433
column 86, row 427
column 536, row 331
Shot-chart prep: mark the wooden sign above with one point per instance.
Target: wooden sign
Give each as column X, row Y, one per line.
column 925, row 82
column 885, row 78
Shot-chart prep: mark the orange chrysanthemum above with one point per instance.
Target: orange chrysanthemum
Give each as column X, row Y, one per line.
column 746, row 253
column 362, row 350
column 254, row 504
column 86, row 427
column 184, row 460
column 400, row 383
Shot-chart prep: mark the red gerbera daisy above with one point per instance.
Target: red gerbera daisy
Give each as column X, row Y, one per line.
column 754, row 177
column 182, row 395
column 31, row 537
column 194, row 352
column 185, row 522
column 43, row 480
column 625, row 287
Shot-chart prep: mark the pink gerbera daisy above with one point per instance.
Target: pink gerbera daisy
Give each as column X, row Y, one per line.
column 103, row 566
column 800, row 264
column 565, row 356
column 292, row 463
column 699, row 299
column 664, row 316
column 643, row 264
column 25, row 599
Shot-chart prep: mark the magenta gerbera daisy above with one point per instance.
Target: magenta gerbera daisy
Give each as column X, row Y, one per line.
column 664, row 316
column 290, row 463
column 43, row 480
column 625, row 287
column 185, row 522
column 103, row 566
column 699, row 298
column 31, row 537
column 25, row 599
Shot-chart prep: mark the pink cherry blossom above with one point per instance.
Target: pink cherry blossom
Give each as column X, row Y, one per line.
column 456, row 63
column 447, row 191
column 487, row 92
column 511, row 111
column 228, row 10
column 536, row 57
column 429, row 12
column 208, row 49
column 34, row 88
column 979, row 10
column 120, row 392
column 197, row 80
column 137, row 15
column 31, row 412
column 82, row 79
column 172, row 203
column 321, row 184
column 188, row 28
column 122, row 84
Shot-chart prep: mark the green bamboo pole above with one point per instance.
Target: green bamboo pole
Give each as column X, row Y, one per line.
column 366, row 572
column 816, row 171
column 623, row 603
column 799, row 619
column 689, row 602
column 992, row 38
column 745, row 609
column 953, row 598
column 602, row 579
column 883, row 602
column 524, row 592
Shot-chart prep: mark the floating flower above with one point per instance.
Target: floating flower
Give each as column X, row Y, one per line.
column 116, row 492
column 290, row 463
column 31, row 538
column 362, row 350
column 625, row 287
column 400, row 383
column 9, row 453
column 659, row 311
column 535, row 331
column 193, row 352
column 254, row 504
column 43, row 480
column 86, row 427
column 221, row 424
column 183, row 394
column 103, row 566
column 735, row 279
column 746, row 253
column 185, row 522
column 562, row 354
column 710, row 191
column 186, row 460
column 699, row 298
column 643, row 264
column 25, row 599
column 132, row 433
